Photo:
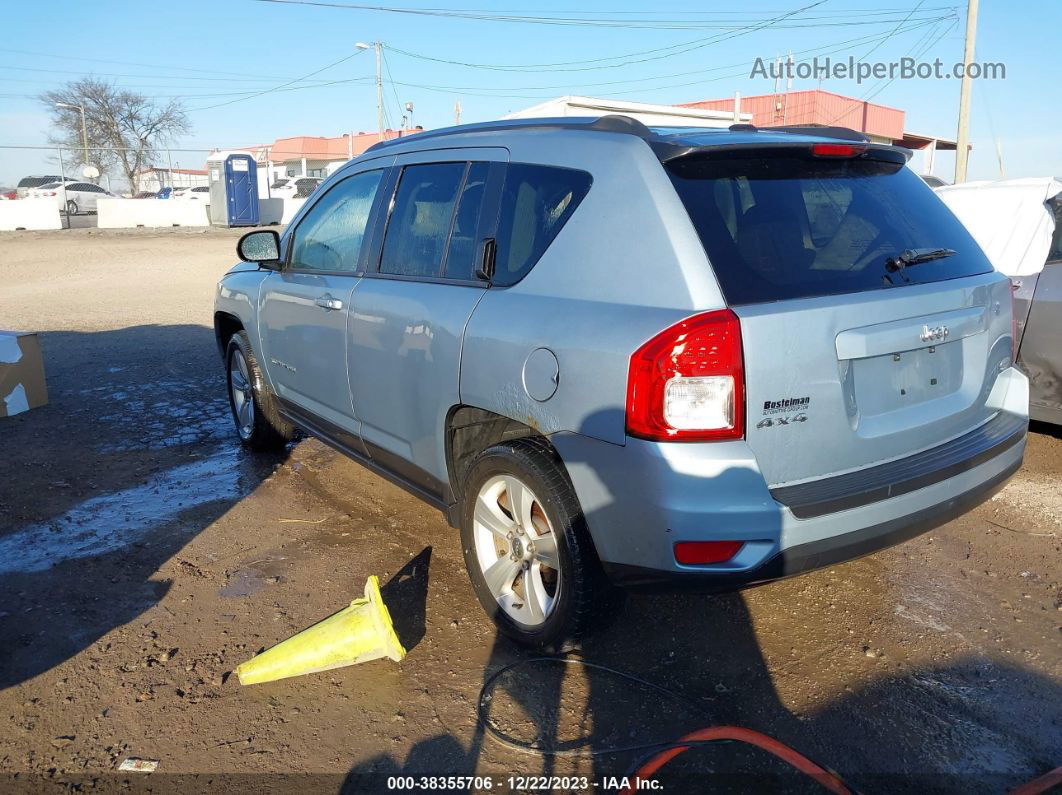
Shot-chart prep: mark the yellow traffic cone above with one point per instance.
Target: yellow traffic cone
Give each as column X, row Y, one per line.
column 358, row 633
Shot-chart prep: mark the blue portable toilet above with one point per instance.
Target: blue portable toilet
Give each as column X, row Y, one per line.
column 233, row 181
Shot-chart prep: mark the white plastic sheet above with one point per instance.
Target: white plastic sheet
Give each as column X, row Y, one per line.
column 1009, row 219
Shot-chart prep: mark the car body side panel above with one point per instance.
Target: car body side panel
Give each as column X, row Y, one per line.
column 1041, row 347
column 580, row 300
column 237, row 295
column 1024, row 288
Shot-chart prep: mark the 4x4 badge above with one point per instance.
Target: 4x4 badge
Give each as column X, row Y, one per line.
column 774, row 422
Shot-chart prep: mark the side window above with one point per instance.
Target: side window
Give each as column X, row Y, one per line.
column 420, row 222
column 536, row 202
column 461, row 259
column 329, row 237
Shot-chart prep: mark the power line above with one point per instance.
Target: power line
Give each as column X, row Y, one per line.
column 119, row 74
column 391, row 80
column 873, row 91
column 658, row 53
column 134, row 63
column 833, row 47
column 354, row 54
column 492, row 16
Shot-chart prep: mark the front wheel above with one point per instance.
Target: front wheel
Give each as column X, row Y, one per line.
column 254, row 410
column 526, row 547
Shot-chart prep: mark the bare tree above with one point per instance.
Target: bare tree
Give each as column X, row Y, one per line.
column 124, row 128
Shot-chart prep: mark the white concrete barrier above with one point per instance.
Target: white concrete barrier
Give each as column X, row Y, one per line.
column 29, row 214
column 131, row 213
column 278, row 211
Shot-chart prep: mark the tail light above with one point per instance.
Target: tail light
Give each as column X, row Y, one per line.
column 837, row 150
column 687, row 384
column 48, row 193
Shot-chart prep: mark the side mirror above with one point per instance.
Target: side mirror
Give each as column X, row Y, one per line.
column 261, row 247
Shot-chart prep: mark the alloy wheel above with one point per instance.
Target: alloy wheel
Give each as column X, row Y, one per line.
column 516, row 549
column 241, row 393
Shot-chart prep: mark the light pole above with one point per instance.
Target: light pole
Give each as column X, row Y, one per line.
column 84, row 127
column 378, row 46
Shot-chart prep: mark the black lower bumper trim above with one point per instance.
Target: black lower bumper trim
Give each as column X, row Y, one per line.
column 814, row 555
column 864, row 486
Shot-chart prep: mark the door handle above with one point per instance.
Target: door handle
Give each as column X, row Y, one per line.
column 328, row 302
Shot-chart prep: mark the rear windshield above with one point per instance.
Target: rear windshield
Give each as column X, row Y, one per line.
column 35, row 182
column 787, row 226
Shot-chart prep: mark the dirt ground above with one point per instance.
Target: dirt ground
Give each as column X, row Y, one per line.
column 143, row 556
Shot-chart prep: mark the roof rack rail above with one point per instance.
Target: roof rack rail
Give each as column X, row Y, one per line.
column 611, row 123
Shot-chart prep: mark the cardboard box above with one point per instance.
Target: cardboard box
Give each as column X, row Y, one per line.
column 21, row 373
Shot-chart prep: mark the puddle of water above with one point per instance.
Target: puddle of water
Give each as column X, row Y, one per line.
column 253, row 576
column 160, row 414
column 112, row 521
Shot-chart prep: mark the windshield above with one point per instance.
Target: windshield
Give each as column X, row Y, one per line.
column 785, row 225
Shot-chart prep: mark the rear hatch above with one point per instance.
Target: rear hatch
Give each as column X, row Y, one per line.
column 852, row 356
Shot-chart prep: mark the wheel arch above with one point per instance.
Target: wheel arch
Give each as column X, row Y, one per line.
column 225, row 325
column 469, row 431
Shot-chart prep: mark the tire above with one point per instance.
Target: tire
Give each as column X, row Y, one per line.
column 254, row 409
column 71, row 207
column 563, row 601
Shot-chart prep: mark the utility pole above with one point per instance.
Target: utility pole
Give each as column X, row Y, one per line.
column 84, row 126
column 379, row 88
column 378, row 46
column 962, row 138
column 457, row 112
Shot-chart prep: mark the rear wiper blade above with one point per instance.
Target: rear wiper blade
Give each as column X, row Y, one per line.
column 913, row 256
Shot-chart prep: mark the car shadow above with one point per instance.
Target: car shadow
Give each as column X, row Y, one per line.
column 969, row 726
column 133, row 456
column 972, row 724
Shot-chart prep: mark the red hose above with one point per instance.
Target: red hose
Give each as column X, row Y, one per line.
column 741, row 734
column 1042, row 784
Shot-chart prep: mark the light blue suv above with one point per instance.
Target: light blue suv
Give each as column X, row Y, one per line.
column 646, row 357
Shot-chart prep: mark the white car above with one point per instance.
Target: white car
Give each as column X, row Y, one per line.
column 74, row 197
column 27, row 185
column 199, row 193
column 294, row 187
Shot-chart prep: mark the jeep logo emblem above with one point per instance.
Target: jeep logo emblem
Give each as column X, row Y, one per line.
column 934, row 333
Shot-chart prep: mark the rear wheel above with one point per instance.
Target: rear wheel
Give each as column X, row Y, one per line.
column 526, row 547
column 254, row 410
column 71, row 207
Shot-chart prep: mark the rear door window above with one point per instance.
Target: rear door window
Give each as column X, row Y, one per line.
column 420, row 221
column 784, row 225
column 464, row 240
column 536, row 202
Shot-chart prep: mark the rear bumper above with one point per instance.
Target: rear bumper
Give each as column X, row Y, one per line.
column 816, row 554
column 641, row 498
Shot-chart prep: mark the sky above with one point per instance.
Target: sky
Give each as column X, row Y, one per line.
column 229, row 62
